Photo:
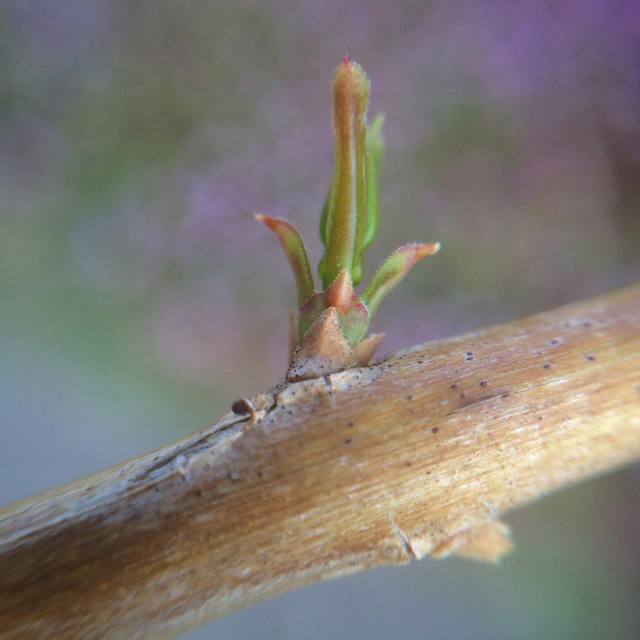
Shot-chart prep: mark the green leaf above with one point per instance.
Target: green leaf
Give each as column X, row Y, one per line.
column 375, row 151
column 393, row 270
column 296, row 253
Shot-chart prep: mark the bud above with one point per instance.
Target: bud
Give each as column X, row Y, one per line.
column 329, row 329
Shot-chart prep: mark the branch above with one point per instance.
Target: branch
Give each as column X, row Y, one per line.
column 416, row 455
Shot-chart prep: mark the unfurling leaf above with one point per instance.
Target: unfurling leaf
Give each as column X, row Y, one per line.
column 345, row 213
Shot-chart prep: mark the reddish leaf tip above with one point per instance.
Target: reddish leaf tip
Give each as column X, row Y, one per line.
column 424, row 250
column 417, row 251
column 270, row 222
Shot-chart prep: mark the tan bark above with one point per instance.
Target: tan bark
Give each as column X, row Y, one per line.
column 416, row 455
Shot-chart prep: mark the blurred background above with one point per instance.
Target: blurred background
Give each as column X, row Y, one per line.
column 138, row 297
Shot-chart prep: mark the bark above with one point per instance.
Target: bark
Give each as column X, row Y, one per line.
column 416, row 455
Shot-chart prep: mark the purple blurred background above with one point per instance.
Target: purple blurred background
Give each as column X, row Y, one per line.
column 138, row 297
